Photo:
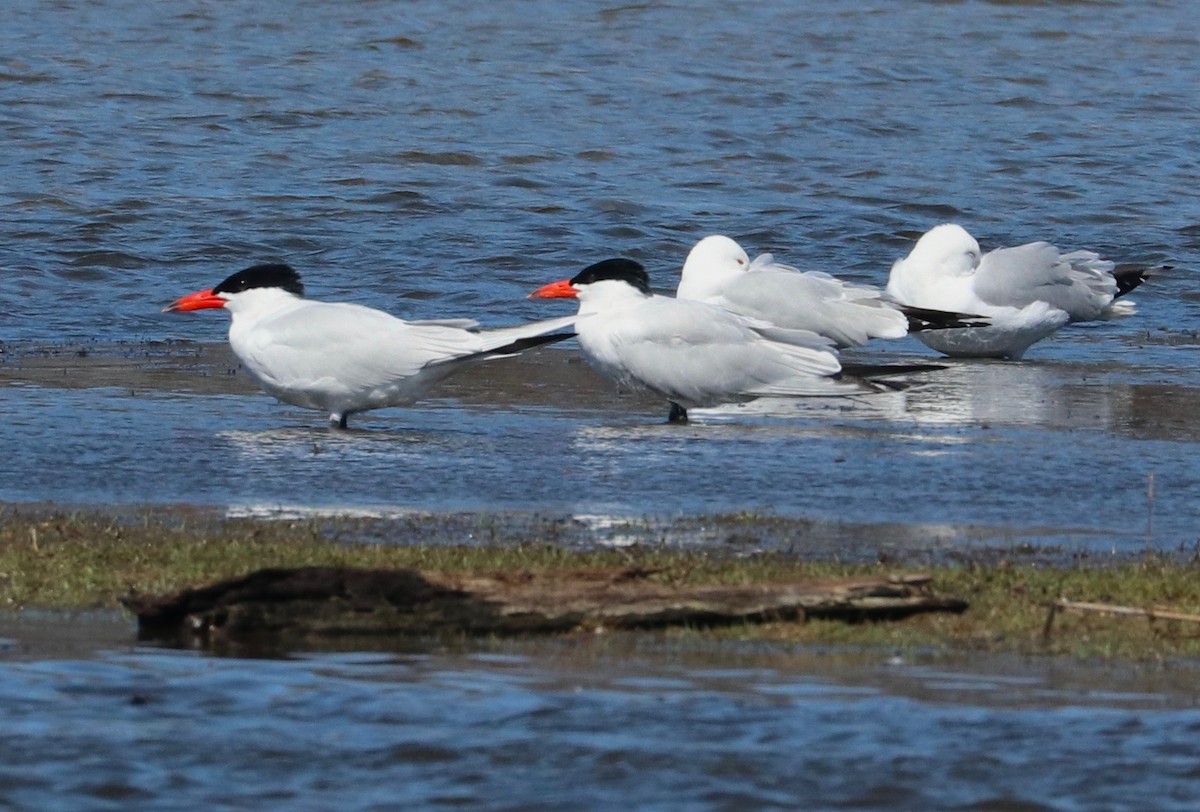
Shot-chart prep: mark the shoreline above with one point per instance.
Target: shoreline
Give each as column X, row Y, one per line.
column 56, row 560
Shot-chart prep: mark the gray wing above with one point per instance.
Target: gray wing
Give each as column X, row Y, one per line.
column 1079, row 283
column 696, row 354
column 848, row 314
column 350, row 347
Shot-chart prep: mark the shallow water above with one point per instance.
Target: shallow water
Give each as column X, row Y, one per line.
column 1051, row 453
column 443, row 159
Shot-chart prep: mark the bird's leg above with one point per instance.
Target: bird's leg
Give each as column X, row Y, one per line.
column 337, row 420
column 678, row 414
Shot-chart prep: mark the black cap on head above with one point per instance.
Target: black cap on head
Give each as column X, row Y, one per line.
column 625, row 270
column 269, row 275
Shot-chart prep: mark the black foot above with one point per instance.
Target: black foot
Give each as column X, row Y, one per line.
column 678, row 414
column 338, row 421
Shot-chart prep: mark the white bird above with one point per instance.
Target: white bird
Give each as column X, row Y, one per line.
column 346, row 358
column 719, row 271
column 692, row 353
column 1026, row 292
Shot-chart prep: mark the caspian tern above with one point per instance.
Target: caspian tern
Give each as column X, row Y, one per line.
column 719, row 271
column 1027, row 292
column 346, row 358
column 692, row 353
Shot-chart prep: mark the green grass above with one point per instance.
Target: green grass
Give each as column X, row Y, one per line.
column 82, row 561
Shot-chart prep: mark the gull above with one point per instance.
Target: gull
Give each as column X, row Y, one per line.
column 719, row 271
column 1026, row 292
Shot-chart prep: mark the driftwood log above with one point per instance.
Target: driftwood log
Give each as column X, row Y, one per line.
column 329, row 602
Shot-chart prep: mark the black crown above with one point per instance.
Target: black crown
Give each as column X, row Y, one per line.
column 625, row 270
column 268, row 275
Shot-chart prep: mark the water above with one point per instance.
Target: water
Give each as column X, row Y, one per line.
column 1052, row 452
column 593, row 724
column 442, row 159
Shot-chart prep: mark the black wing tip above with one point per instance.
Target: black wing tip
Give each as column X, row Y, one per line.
column 924, row 318
column 876, row 377
column 1128, row 278
column 523, row 344
column 881, row 370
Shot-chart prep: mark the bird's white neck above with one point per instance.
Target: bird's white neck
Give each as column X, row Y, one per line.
column 607, row 295
column 258, row 302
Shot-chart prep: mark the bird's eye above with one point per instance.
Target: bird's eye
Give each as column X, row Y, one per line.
column 741, row 261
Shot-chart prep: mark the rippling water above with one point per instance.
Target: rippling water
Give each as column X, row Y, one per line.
column 594, row 724
column 442, row 158
column 445, row 158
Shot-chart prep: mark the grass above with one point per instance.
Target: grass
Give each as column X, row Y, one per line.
column 82, row 561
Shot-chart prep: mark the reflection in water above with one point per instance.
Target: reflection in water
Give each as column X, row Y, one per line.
column 1014, row 394
column 1036, row 450
column 1052, row 396
column 609, row 530
column 286, row 512
column 1056, row 397
column 965, row 393
column 1160, row 411
column 1039, row 445
column 278, row 445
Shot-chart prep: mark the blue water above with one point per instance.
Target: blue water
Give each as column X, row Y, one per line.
column 440, row 158
column 594, row 724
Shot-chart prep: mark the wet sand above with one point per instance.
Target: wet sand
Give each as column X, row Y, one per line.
column 34, row 634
